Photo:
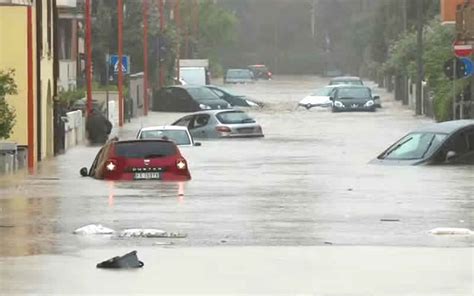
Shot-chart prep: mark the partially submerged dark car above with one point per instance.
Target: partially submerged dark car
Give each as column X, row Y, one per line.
column 450, row 142
column 187, row 98
column 352, row 98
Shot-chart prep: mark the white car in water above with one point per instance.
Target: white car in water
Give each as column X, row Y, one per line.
column 178, row 134
column 319, row 98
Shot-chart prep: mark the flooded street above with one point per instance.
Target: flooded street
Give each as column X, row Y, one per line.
column 306, row 183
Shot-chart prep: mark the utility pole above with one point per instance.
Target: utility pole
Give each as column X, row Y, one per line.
column 31, row 107
column 178, row 26
column 88, row 56
column 313, row 19
column 405, row 29
column 162, row 29
column 145, row 57
column 120, row 54
column 419, row 56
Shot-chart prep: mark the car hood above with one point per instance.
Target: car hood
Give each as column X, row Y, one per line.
column 348, row 101
column 315, row 100
column 398, row 162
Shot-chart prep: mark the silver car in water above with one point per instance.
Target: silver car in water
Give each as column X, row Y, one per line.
column 220, row 124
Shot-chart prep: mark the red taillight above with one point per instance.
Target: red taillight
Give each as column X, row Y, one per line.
column 181, row 164
column 223, row 129
column 269, row 73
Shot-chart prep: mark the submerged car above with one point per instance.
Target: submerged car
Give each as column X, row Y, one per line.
column 234, row 99
column 260, row 72
column 346, row 80
column 178, row 134
column 239, row 76
column 139, row 160
column 221, row 124
column 352, row 98
column 187, row 98
column 319, row 98
column 449, row 142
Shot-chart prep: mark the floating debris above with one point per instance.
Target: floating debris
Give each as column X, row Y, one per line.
column 390, row 220
column 150, row 233
column 93, row 229
column 129, row 260
column 451, row 231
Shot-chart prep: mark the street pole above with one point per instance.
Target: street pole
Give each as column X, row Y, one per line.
column 162, row 29
column 120, row 54
column 31, row 107
column 419, row 56
column 454, row 88
column 88, row 57
column 145, row 57
column 178, row 26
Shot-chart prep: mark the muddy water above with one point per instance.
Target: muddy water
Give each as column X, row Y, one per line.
column 308, row 182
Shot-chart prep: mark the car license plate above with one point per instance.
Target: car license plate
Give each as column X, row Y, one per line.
column 147, row 176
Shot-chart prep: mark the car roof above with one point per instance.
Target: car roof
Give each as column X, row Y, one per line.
column 186, row 86
column 352, row 86
column 238, row 69
column 346, row 78
column 446, row 127
column 143, row 141
column 215, row 111
column 164, row 127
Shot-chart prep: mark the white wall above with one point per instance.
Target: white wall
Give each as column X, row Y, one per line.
column 67, row 74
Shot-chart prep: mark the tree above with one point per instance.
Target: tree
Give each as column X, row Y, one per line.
column 7, row 113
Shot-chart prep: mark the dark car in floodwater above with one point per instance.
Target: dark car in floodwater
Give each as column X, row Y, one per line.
column 234, row 99
column 260, row 72
column 239, row 76
column 450, row 142
column 187, row 98
column 352, row 98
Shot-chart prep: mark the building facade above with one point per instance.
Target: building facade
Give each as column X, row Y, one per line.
column 27, row 45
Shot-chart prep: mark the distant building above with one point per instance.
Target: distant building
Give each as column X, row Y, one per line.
column 70, row 45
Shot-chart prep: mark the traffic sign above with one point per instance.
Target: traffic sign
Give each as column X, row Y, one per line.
column 462, row 49
column 454, row 68
column 114, row 62
column 469, row 67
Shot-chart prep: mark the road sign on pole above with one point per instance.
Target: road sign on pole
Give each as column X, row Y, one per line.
column 454, row 68
column 469, row 67
column 462, row 49
column 114, row 62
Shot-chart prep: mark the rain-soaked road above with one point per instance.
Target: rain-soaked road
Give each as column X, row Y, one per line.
column 308, row 182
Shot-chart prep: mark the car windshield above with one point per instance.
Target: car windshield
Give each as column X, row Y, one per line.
column 325, row 91
column 239, row 74
column 145, row 149
column 202, row 94
column 346, row 82
column 414, row 146
column 180, row 137
column 234, row 117
column 356, row 93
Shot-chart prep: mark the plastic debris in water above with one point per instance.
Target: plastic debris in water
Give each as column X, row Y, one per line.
column 93, row 229
column 451, row 231
column 150, row 233
column 129, row 260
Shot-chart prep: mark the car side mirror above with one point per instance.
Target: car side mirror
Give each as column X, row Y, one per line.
column 331, row 98
column 84, row 172
column 376, row 97
column 450, row 156
column 197, row 144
